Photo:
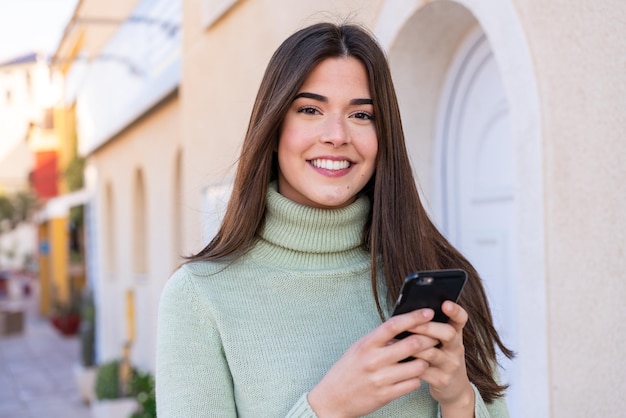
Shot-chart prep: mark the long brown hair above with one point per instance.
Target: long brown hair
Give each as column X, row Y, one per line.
column 398, row 232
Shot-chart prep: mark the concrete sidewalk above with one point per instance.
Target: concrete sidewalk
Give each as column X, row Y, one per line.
column 36, row 371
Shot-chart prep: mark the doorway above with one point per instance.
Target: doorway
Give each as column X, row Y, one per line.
column 476, row 180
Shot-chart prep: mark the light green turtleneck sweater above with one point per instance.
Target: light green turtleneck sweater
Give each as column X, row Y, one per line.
column 252, row 338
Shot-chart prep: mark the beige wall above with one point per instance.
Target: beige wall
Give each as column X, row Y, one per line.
column 151, row 145
column 579, row 53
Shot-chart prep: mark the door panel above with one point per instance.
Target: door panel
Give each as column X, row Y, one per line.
column 478, row 180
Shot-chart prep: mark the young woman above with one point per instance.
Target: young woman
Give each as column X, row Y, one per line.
column 286, row 311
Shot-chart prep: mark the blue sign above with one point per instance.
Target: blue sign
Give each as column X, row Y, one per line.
column 44, row 247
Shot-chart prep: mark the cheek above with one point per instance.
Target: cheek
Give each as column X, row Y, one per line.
column 370, row 151
column 283, row 145
column 288, row 151
column 289, row 137
column 374, row 149
column 371, row 154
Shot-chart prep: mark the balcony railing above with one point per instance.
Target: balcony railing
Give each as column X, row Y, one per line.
column 136, row 69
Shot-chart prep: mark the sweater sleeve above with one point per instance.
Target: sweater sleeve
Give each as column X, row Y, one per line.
column 192, row 376
column 302, row 409
column 495, row 409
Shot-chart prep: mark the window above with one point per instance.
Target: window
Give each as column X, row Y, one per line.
column 140, row 238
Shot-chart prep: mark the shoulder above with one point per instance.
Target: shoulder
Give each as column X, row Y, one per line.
column 189, row 279
column 194, row 271
column 202, row 269
column 190, row 292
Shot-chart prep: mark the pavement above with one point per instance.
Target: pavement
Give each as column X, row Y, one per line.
column 36, row 369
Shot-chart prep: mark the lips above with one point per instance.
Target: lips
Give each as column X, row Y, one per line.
column 327, row 164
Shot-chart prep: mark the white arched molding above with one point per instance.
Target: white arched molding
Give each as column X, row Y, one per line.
column 140, row 227
column 177, row 209
column 442, row 24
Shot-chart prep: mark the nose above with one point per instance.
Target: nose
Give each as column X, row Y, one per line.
column 335, row 132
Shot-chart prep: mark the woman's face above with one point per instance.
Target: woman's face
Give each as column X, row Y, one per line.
column 327, row 146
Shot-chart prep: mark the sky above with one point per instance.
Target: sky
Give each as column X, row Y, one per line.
column 32, row 26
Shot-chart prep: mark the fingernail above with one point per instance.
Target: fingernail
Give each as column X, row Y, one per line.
column 427, row 313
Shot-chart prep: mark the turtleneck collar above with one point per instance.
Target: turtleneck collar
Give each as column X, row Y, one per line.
column 308, row 237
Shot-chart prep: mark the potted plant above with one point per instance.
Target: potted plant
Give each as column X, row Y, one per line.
column 85, row 371
column 142, row 388
column 65, row 318
column 113, row 398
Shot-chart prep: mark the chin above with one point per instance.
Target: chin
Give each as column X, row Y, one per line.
column 334, row 202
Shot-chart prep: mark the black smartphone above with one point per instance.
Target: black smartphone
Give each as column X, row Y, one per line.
column 429, row 289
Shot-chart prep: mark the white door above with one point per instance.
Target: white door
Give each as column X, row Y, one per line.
column 477, row 184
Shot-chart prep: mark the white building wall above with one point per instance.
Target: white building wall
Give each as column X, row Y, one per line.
column 136, row 68
column 128, row 122
column 150, row 146
column 25, row 91
column 18, row 247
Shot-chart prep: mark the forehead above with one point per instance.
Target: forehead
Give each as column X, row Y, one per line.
column 345, row 73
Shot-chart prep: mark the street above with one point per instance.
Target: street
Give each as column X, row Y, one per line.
column 36, row 369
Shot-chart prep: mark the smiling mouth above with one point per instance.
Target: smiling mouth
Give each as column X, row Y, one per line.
column 330, row 164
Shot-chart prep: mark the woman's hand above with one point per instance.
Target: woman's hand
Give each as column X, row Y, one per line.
column 369, row 375
column 446, row 372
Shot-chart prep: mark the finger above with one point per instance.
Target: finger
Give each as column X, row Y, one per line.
column 442, row 332
column 397, row 379
column 399, row 324
column 434, row 357
column 397, row 372
column 442, row 368
column 458, row 316
column 400, row 372
column 409, row 346
column 404, row 387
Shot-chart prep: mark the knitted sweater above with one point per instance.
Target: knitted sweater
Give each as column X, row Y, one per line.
column 251, row 338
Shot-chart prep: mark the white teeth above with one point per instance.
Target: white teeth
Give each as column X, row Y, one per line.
column 330, row 164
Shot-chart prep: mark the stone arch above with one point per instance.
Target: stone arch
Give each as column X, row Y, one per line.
column 421, row 39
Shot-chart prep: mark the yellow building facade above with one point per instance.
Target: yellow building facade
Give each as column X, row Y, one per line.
column 60, row 256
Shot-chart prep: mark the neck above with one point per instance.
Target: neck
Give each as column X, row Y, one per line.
column 311, row 235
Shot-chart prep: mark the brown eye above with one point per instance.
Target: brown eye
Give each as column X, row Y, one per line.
column 308, row 110
column 363, row 116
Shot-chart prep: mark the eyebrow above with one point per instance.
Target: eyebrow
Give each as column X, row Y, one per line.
column 324, row 99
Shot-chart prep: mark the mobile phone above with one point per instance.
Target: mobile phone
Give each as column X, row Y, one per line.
column 429, row 289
